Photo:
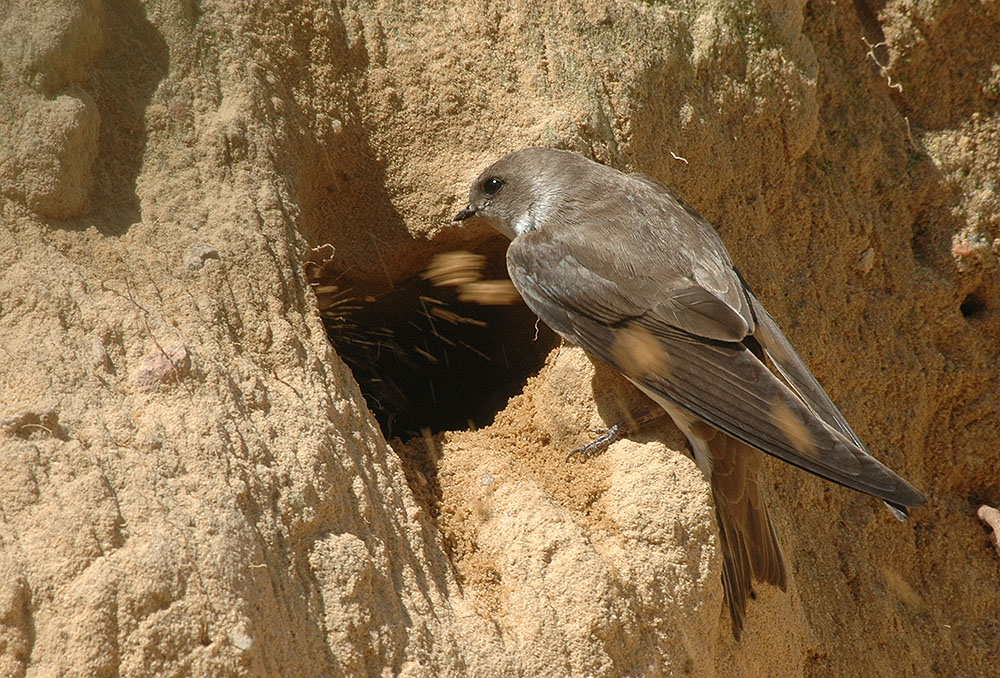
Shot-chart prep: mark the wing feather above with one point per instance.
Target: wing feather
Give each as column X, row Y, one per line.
column 721, row 382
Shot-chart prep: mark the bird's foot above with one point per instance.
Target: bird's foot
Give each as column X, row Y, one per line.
column 604, row 439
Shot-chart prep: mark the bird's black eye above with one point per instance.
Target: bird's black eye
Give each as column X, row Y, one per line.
column 492, row 186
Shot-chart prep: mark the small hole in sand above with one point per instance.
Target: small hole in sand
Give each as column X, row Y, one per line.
column 973, row 305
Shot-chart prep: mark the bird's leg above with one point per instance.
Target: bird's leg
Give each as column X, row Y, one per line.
column 605, row 436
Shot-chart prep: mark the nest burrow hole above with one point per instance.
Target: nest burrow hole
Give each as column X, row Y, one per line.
column 424, row 358
column 973, row 305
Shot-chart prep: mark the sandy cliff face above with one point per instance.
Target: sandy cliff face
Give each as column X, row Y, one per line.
column 190, row 480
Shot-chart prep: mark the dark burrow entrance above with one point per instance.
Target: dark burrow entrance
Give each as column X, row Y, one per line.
column 973, row 306
column 425, row 358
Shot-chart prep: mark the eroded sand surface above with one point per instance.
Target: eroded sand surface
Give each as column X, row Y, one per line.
column 190, row 480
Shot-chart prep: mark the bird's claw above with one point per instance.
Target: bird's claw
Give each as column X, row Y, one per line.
column 604, row 439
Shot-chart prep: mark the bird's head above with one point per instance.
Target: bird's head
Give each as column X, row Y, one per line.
column 520, row 191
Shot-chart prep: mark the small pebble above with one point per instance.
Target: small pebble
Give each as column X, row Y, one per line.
column 866, row 261
column 197, row 254
column 168, row 365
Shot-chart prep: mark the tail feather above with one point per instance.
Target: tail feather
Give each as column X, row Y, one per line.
column 749, row 545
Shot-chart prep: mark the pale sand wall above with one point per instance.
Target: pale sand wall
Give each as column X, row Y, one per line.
column 190, row 483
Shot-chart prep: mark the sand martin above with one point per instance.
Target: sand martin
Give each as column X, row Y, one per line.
column 618, row 265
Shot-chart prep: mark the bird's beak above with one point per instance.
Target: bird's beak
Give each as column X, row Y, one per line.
column 465, row 213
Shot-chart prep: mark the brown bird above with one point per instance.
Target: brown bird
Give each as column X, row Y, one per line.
column 617, row 264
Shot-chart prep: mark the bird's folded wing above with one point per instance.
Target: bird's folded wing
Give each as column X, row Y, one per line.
column 720, row 382
column 794, row 370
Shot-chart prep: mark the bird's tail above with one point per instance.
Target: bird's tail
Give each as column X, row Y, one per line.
column 749, row 545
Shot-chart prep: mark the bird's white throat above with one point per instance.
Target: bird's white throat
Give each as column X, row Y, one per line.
column 523, row 224
column 538, row 213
